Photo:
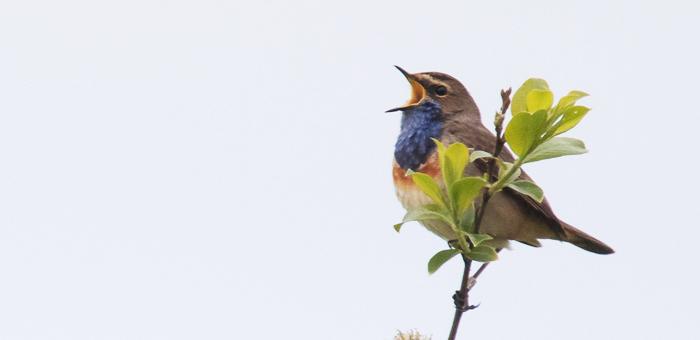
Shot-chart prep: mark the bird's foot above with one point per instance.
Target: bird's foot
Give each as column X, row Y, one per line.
column 461, row 304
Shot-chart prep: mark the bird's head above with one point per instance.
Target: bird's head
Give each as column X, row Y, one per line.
column 448, row 93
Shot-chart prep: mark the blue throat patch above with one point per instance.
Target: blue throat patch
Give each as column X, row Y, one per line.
column 418, row 126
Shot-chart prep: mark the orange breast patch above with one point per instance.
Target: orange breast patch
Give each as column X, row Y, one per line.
column 431, row 167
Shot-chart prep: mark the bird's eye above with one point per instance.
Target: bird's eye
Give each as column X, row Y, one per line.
column 440, row 90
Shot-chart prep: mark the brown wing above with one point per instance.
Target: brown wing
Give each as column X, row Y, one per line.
column 481, row 138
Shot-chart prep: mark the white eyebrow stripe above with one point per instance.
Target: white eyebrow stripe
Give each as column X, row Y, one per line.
column 435, row 81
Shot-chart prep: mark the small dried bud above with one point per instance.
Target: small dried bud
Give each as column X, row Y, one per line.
column 498, row 120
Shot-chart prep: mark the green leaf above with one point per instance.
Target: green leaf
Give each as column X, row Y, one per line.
column 436, row 208
column 504, row 167
column 539, row 100
column 524, row 130
column 556, row 147
column 464, row 191
column 425, row 215
column 482, row 253
column 519, row 102
column 467, row 221
column 478, row 239
column 440, row 258
column 477, row 154
column 571, row 117
column 528, row 188
column 570, row 99
column 455, row 161
column 441, row 151
column 428, row 185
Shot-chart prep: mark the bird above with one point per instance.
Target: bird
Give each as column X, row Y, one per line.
column 441, row 108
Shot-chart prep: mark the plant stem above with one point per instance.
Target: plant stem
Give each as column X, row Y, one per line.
column 501, row 181
column 461, row 297
column 491, row 167
column 480, row 270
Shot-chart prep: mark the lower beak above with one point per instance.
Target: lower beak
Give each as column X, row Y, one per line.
column 417, row 92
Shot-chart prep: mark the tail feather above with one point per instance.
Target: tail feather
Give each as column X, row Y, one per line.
column 585, row 241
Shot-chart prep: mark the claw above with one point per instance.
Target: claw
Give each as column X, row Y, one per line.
column 458, row 299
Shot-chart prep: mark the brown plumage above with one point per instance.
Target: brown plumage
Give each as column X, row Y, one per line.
column 509, row 215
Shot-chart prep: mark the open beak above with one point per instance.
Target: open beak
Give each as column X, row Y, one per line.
column 417, row 92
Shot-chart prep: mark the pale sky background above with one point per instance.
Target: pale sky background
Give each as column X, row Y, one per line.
column 220, row 169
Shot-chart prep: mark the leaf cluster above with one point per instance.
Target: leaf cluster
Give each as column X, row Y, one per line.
column 453, row 204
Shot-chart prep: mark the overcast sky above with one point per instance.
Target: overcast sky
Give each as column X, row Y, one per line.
column 221, row 169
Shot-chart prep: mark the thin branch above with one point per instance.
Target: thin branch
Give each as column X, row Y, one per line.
column 478, row 272
column 461, row 297
column 491, row 167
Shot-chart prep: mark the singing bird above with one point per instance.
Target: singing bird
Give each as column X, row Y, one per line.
column 440, row 107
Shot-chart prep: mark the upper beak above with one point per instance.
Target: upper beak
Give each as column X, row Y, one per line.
column 417, row 92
